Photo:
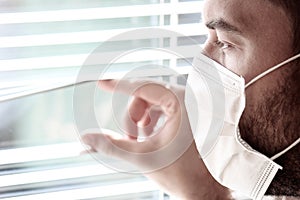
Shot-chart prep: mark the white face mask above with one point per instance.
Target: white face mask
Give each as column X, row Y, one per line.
column 215, row 100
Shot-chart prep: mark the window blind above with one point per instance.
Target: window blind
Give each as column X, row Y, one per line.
column 43, row 45
column 47, row 45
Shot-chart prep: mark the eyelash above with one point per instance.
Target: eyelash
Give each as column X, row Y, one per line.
column 222, row 45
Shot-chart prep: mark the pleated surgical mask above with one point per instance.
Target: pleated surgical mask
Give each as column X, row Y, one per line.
column 215, row 101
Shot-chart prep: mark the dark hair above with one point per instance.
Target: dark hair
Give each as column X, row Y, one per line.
column 287, row 181
column 292, row 8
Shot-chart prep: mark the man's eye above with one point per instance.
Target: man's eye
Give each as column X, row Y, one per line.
column 222, row 45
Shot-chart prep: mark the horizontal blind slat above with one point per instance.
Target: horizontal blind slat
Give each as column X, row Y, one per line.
column 45, row 152
column 55, row 174
column 101, row 13
column 95, row 36
column 99, row 58
column 135, row 187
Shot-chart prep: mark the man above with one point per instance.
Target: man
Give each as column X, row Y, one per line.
column 247, row 37
column 269, row 34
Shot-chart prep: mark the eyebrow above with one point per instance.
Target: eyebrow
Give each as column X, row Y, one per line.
column 221, row 24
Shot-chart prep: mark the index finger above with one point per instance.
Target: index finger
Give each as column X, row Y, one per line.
column 152, row 92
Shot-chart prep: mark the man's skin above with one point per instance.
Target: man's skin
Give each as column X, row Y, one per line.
column 257, row 35
column 247, row 37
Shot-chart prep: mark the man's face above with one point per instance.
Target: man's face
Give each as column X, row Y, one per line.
column 256, row 35
column 249, row 37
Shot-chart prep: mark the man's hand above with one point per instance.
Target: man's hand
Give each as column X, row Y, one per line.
column 168, row 155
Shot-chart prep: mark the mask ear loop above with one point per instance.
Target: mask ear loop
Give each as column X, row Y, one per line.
column 264, row 74
column 285, row 150
column 271, row 70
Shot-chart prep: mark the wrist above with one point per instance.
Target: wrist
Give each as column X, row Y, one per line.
column 211, row 190
column 211, row 194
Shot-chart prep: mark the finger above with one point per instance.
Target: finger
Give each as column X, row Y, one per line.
column 116, row 85
column 136, row 111
column 153, row 93
column 149, row 120
column 107, row 84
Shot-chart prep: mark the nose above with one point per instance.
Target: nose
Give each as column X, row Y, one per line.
column 211, row 50
column 207, row 49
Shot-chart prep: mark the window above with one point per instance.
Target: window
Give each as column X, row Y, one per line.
column 43, row 45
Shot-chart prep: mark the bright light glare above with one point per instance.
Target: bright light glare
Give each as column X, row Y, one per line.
column 101, row 13
column 55, row 174
column 36, row 153
column 92, row 36
column 93, row 192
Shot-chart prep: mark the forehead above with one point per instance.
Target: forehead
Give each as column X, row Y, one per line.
column 254, row 18
column 237, row 12
column 249, row 15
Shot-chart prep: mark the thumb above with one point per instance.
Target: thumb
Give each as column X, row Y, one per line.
column 128, row 150
column 108, row 144
column 124, row 149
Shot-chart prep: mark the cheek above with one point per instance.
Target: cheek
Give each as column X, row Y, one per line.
column 236, row 62
column 243, row 62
